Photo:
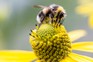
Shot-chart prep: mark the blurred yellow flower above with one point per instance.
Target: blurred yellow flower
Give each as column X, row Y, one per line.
column 4, row 11
column 86, row 8
column 29, row 56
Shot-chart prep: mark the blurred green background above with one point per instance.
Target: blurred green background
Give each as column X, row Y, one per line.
column 18, row 17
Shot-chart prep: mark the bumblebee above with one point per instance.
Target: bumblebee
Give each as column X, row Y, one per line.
column 50, row 14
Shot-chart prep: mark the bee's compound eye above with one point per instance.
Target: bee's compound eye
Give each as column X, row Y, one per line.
column 53, row 9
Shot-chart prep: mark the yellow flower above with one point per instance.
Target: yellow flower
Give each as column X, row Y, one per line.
column 51, row 42
column 16, row 56
column 86, row 8
column 4, row 11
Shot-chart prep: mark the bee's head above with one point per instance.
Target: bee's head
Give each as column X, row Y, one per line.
column 56, row 8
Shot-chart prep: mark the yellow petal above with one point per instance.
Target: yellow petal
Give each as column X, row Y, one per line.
column 85, row 9
column 80, row 58
column 85, row 1
column 91, row 20
column 76, row 34
column 68, row 59
column 16, row 56
column 83, row 46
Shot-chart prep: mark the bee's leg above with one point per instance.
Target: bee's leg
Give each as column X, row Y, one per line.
column 57, row 17
column 52, row 21
column 52, row 16
column 41, row 17
column 61, row 17
column 42, row 20
column 59, row 20
column 40, row 24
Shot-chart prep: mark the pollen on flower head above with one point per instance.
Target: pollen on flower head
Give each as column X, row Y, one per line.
column 50, row 42
column 46, row 31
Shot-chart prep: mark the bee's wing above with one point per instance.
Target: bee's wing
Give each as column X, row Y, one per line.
column 39, row 6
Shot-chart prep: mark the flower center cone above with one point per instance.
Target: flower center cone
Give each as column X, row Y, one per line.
column 50, row 42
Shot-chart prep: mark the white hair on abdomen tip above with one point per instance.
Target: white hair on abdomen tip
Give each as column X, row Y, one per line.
column 38, row 19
